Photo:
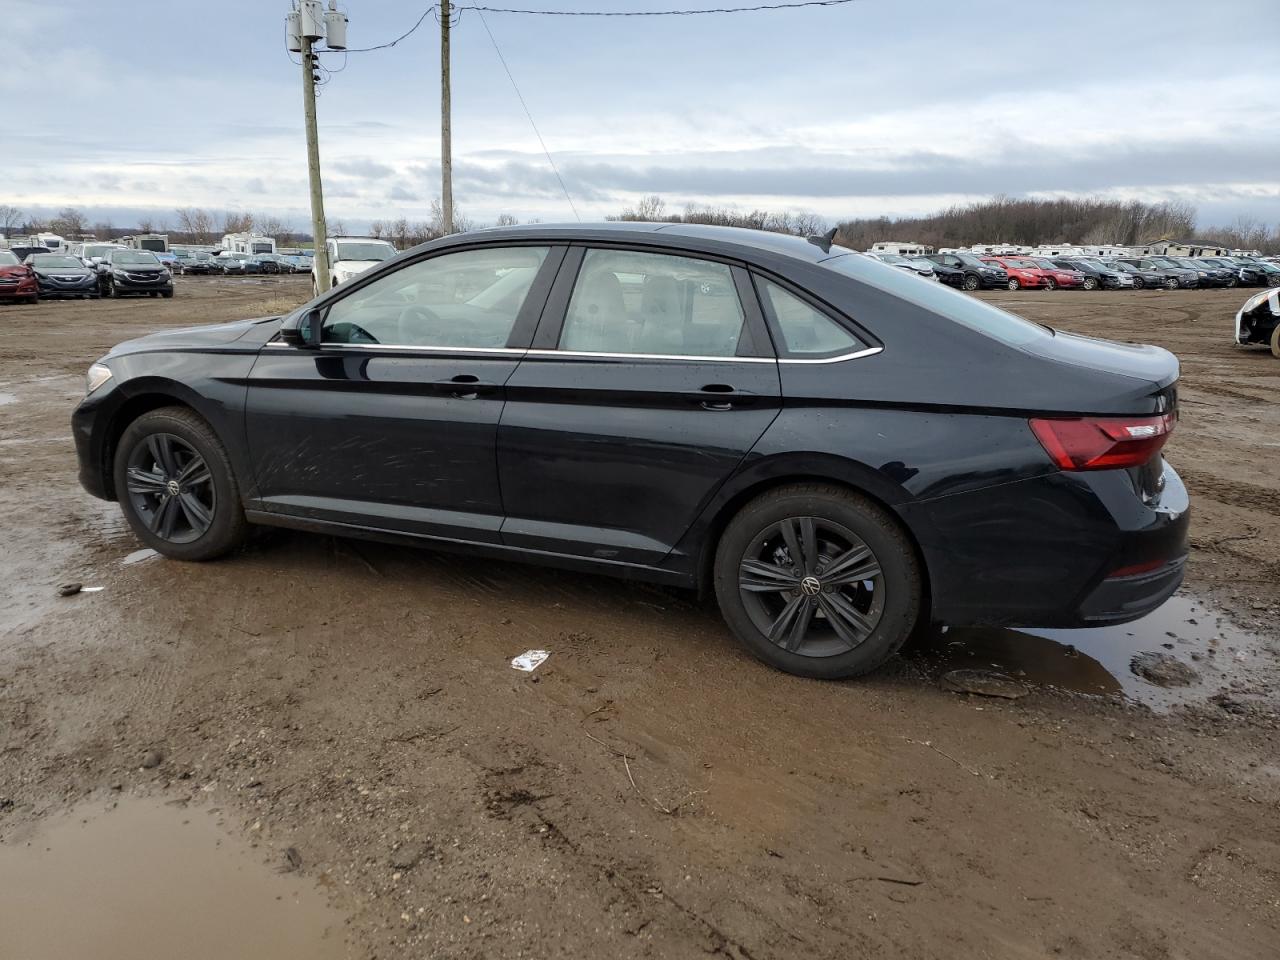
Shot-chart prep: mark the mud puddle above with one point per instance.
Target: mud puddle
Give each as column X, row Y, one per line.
column 1097, row 660
column 149, row 880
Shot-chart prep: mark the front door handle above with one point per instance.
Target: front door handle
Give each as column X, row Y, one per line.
column 464, row 386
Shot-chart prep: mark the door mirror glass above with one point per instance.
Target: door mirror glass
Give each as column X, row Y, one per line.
column 653, row 303
column 469, row 299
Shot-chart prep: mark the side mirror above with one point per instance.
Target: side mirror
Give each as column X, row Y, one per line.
column 306, row 331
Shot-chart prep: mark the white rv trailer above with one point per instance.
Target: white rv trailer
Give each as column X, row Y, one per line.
column 902, row 248
column 251, row 243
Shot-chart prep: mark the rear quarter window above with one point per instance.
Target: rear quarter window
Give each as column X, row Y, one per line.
column 938, row 298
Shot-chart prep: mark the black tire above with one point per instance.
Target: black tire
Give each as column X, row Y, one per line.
column 167, row 294
column 1275, row 342
column 833, row 518
column 116, row 292
column 220, row 495
column 1090, row 283
column 971, row 282
column 1171, row 283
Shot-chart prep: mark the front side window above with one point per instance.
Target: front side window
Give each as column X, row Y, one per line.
column 469, row 299
column 806, row 331
column 653, row 303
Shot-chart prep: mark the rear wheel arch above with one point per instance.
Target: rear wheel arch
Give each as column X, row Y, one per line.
column 784, row 472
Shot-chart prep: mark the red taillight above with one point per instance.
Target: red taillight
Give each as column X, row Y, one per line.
column 1103, row 443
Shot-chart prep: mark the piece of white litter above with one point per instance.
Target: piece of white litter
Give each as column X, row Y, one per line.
column 139, row 555
column 530, row 660
column 91, row 589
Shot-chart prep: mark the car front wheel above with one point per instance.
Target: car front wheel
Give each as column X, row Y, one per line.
column 1090, row 283
column 1013, row 283
column 817, row 581
column 971, row 282
column 176, row 487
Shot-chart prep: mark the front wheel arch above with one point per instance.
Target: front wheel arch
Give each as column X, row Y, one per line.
column 132, row 408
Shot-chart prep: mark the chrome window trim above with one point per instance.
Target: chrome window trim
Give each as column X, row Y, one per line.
column 593, row 355
column 405, row 348
column 584, row 354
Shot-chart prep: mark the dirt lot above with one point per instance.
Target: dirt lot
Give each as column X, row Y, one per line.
column 650, row 791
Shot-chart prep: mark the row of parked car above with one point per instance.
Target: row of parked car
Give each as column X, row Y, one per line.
column 223, row 262
column 973, row 272
column 92, row 270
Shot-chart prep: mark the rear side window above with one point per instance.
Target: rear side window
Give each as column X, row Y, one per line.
column 626, row 301
column 940, row 299
column 806, row 331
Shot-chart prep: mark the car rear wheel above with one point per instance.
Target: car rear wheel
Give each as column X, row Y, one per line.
column 817, row 581
column 1014, row 284
column 1089, row 283
column 176, row 487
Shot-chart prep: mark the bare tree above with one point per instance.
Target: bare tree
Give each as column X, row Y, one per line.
column 505, row 220
column 10, row 218
column 237, row 222
column 376, row 228
column 268, row 225
column 146, row 225
column 336, row 228
column 69, row 222
column 196, row 223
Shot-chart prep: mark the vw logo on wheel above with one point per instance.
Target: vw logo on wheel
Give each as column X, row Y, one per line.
column 811, row 586
column 173, row 487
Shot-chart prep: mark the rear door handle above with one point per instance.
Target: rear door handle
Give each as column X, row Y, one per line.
column 721, row 396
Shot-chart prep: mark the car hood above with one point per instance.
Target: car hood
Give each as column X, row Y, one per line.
column 208, row 335
column 11, row 268
column 64, row 271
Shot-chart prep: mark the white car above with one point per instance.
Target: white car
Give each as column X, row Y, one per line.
column 350, row 257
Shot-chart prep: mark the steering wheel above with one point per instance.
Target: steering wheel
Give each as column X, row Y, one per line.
column 417, row 324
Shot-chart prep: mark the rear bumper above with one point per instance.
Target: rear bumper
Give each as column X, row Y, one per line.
column 1061, row 550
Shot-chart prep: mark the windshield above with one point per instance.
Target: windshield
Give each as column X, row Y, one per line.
column 1022, row 263
column 371, row 250
column 55, row 260
column 970, row 261
column 135, row 257
column 1046, row 264
column 940, row 299
column 7, row 259
column 97, row 249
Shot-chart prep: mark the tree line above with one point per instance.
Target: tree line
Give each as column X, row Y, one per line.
column 999, row 220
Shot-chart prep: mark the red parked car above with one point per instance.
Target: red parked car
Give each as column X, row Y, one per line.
column 1023, row 273
column 1059, row 276
column 17, row 282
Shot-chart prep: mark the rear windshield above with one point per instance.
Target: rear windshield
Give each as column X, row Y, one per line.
column 940, row 299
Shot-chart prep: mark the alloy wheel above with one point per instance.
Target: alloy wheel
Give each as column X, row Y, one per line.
column 812, row 586
column 1050, row 283
column 170, row 488
column 971, row 283
column 1090, row 283
column 1013, row 283
column 1171, row 283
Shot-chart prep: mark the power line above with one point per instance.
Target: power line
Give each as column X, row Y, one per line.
column 755, row 8
column 520, row 97
column 524, row 11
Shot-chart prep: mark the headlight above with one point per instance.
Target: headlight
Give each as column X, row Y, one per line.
column 118, row 273
column 99, row 373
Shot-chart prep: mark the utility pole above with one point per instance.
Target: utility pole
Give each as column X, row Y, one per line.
column 320, row 253
column 446, row 136
column 307, row 23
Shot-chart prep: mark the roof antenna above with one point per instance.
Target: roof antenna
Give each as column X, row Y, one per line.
column 825, row 241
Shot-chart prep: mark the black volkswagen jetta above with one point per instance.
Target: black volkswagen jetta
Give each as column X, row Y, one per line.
column 836, row 448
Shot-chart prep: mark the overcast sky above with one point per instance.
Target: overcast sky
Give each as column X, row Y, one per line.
column 877, row 107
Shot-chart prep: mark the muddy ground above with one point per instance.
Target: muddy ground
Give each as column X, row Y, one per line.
column 650, row 791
